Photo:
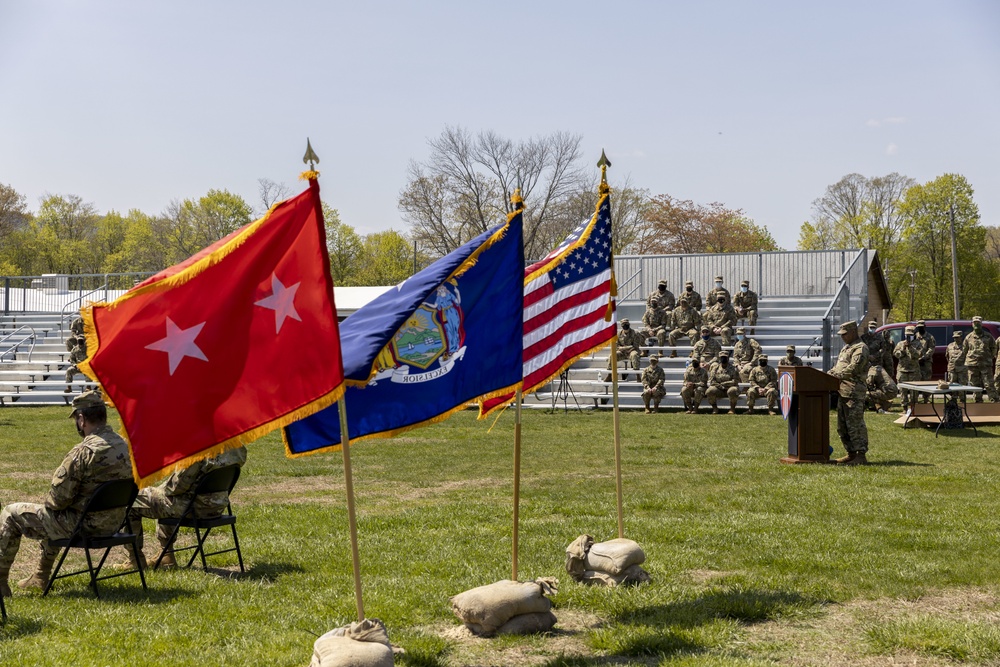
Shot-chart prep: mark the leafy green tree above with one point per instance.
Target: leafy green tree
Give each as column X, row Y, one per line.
column 139, row 244
column 197, row 224
column 344, row 246
column 64, row 232
column 14, row 213
column 385, row 259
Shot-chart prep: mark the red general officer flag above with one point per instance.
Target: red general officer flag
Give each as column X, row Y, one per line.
column 230, row 344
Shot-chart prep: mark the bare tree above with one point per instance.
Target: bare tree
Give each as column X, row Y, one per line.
column 270, row 193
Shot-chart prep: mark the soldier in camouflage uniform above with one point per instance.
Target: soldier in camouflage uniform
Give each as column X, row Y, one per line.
column 763, row 382
column 694, row 387
column 980, row 350
column 653, row 378
column 852, row 371
column 881, row 388
column 746, row 352
column 629, row 347
column 76, row 344
column 707, row 349
column 655, row 320
column 955, row 354
column 663, row 295
column 170, row 499
column 745, row 304
column 721, row 318
column 103, row 456
column 717, row 291
column 790, row 359
column 876, row 343
column 684, row 321
column 907, row 364
column 723, row 379
column 694, row 299
column 926, row 345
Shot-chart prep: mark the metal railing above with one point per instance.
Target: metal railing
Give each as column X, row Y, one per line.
column 73, row 307
column 622, row 296
column 52, row 293
column 14, row 348
column 850, row 303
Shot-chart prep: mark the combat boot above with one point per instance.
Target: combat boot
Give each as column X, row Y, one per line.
column 715, row 409
column 673, row 354
column 656, row 406
column 129, row 562
column 771, row 412
column 40, row 578
column 844, row 460
column 168, row 562
column 5, row 588
column 859, row 459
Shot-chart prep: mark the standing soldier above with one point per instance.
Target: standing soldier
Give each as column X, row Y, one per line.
column 926, row 345
column 685, row 321
column 881, row 388
column 655, row 320
column 706, row 350
column 717, row 291
column 653, row 378
column 907, row 364
column 723, row 380
column 629, row 344
column 694, row 387
column 852, row 371
column 875, row 341
column 694, row 299
column 721, row 318
column 790, row 359
column 763, row 382
column 745, row 304
column 663, row 295
column 746, row 352
column 980, row 348
column 957, row 372
column 76, row 344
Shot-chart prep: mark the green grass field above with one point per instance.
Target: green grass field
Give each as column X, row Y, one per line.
column 753, row 562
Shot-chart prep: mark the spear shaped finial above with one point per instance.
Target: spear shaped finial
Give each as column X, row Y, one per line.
column 604, row 163
column 310, row 157
column 517, row 200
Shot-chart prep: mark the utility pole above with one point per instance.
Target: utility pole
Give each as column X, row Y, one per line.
column 913, row 287
column 954, row 260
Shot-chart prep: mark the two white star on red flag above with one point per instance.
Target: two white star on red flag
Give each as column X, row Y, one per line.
column 179, row 343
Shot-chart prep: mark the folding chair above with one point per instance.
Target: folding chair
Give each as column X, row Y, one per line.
column 221, row 479
column 3, row 611
column 118, row 494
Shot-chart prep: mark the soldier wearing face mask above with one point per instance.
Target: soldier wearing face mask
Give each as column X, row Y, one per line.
column 925, row 345
column 663, row 295
column 707, row 349
column 746, row 352
column 721, row 318
column 629, row 347
column 873, row 340
column 763, row 383
column 980, row 349
column 790, row 359
column 717, row 291
column 694, row 387
column 745, row 304
column 908, row 363
column 694, row 299
column 723, row 380
column 684, row 321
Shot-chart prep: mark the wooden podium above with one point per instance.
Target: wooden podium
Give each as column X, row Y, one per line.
column 809, row 415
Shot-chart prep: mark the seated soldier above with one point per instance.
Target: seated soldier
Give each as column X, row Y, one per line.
column 721, row 318
column 723, row 380
column 707, row 349
column 663, row 295
column 76, row 344
column 694, row 386
column 653, row 378
column 103, row 456
column 694, row 298
column 763, row 382
column 170, row 499
column 655, row 320
column 629, row 348
column 745, row 354
column 790, row 359
column 881, row 388
column 745, row 304
column 684, row 321
column 717, row 291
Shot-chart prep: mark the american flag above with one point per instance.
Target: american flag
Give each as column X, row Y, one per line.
column 568, row 304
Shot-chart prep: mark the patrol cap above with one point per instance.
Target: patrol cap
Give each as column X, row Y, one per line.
column 957, row 334
column 684, row 299
column 763, row 356
column 723, row 355
column 87, row 399
column 705, row 328
column 688, row 282
column 654, row 357
column 910, row 330
column 790, row 348
column 745, row 283
column 625, row 320
column 654, row 301
column 718, row 278
column 848, row 327
column 977, row 318
column 920, row 323
column 662, row 283
column 741, row 330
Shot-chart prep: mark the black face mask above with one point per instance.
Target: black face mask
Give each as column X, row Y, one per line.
column 909, row 337
column 695, row 364
column 721, row 301
column 626, row 327
column 920, row 330
column 79, row 429
column 723, row 362
column 662, row 288
column 705, row 336
column 689, row 288
column 762, row 362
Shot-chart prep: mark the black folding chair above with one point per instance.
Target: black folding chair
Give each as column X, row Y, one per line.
column 3, row 611
column 221, row 479
column 118, row 494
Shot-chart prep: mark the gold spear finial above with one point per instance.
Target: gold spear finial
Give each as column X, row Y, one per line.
column 311, row 159
column 517, row 200
column 604, row 163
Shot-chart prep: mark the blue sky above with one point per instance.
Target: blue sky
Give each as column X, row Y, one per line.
column 759, row 105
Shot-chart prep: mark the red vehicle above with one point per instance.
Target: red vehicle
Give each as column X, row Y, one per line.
column 942, row 331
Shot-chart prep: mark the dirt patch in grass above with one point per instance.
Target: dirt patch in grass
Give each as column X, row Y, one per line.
column 707, row 576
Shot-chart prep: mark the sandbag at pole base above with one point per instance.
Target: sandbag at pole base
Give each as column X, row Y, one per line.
column 507, row 607
column 612, row 563
column 361, row 644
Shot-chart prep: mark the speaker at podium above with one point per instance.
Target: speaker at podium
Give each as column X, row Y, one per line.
column 805, row 403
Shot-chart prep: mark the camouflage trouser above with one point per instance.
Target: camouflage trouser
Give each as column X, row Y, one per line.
column 692, row 396
column 35, row 522
column 770, row 394
column 750, row 315
column 881, row 398
column 959, row 377
column 654, row 393
column 906, row 395
column 153, row 503
column 714, row 393
column 659, row 333
column 633, row 358
column 851, row 424
column 71, row 372
column 979, row 376
column 744, row 369
column 926, row 368
column 677, row 333
column 726, row 333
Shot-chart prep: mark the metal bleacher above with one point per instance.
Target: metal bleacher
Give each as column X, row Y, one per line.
column 34, row 359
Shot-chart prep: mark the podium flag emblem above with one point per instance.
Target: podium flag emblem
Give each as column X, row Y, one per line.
column 786, row 385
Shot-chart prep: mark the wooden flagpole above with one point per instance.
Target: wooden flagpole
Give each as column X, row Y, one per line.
column 345, row 447
column 517, row 481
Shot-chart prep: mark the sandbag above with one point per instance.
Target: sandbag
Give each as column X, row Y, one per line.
column 630, row 576
column 614, row 556
column 576, row 556
column 362, row 644
column 526, row 624
column 486, row 608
